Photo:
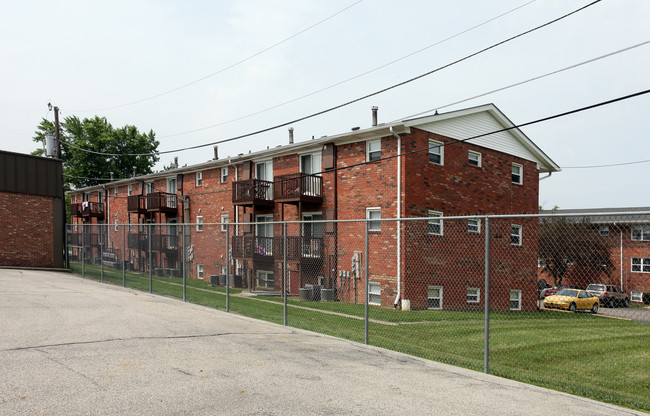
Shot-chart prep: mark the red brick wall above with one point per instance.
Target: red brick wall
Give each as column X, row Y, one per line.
column 27, row 228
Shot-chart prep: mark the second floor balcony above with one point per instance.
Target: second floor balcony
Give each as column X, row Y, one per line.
column 298, row 187
column 252, row 192
column 153, row 202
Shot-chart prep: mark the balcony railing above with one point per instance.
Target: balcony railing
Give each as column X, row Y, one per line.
column 164, row 242
column 138, row 241
column 298, row 187
column 298, row 248
column 252, row 192
column 250, row 246
column 162, row 202
column 91, row 209
column 137, row 204
column 75, row 210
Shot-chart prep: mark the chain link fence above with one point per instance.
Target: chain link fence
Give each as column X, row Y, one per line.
column 558, row 301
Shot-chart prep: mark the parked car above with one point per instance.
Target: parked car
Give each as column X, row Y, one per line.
column 573, row 300
column 542, row 285
column 553, row 290
column 609, row 295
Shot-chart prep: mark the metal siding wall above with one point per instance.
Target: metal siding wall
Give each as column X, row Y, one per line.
column 26, row 174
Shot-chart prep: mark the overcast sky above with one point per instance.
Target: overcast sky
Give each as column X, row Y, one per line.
column 98, row 58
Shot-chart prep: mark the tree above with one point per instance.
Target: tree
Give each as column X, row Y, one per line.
column 567, row 243
column 81, row 168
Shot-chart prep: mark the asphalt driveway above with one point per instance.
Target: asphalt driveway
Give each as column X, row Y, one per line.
column 72, row 346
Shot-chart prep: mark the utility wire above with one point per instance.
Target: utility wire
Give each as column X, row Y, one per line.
column 348, row 79
column 606, row 166
column 227, row 67
column 351, row 101
column 457, row 141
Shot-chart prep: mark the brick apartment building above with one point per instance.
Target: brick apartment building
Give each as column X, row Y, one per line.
column 413, row 168
column 31, row 211
column 624, row 234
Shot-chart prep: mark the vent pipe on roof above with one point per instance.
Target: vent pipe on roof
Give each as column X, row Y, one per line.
column 290, row 135
column 134, row 170
column 111, row 176
column 175, row 161
column 216, row 153
column 374, row 115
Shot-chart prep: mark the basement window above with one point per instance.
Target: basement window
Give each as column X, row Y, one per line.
column 374, row 293
column 515, row 300
column 473, row 294
column 434, row 297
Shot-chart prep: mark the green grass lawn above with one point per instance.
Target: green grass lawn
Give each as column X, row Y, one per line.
column 592, row 356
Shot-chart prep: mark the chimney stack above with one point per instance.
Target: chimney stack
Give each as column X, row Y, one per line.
column 216, row 153
column 290, row 135
column 111, row 176
column 175, row 161
column 374, row 115
column 134, row 171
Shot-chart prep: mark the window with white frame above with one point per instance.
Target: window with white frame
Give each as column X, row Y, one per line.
column 517, row 173
column 311, row 164
column 636, row 296
column 515, row 300
column 129, row 190
column 224, row 222
column 224, row 269
column 436, row 152
column 473, row 158
column 641, row 264
column 434, row 226
column 473, row 295
column 434, row 297
column 265, row 279
column 474, row 225
column 199, row 223
column 115, row 192
column 373, row 213
column 604, row 230
column 373, row 150
column 224, row 174
column 374, row 293
column 641, row 232
column 515, row 234
column 199, row 271
column 116, row 227
column 199, row 178
column 148, row 188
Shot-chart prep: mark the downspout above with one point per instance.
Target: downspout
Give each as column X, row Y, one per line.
column 396, row 303
column 546, row 177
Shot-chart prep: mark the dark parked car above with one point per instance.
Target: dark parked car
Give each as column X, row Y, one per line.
column 609, row 295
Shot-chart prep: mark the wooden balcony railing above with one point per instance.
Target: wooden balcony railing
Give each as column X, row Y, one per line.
column 89, row 209
column 162, row 202
column 298, row 187
column 298, row 248
column 75, row 210
column 252, row 192
column 137, row 204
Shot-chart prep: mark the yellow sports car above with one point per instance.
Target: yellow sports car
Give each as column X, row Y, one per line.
column 572, row 300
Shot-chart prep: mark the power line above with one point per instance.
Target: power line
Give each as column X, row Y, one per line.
column 607, row 166
column 351, row 101
column 227, row 67
column 349, row 79
column 457, row 141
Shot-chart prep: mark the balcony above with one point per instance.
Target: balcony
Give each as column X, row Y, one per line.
column 259, row 249
column 75, row 210
column 137, row 204
column 165, row 243
column 266, row 249
column 138, row 241
column 298, row 187
column 251, row 192
column 162, row 202
column 305, row 249
column 91, row 209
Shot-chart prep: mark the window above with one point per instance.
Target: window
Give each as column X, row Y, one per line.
column 265, row 279
column 374, row 293
column 224, row 269
column 264, row 172
column 434, row 297
column 436, row 152
column 148, row 188
column 473, row 295
column 224, row 222
column 474, row 158
column 641, row 233
column 199, row 271
column 515, row 235
column 473, row 225
column 641, row 264
column 129, row 190
column 311, row 164
column 224, row 174
column 517, row 173
column 515, row 300
column 636, row 296
column 264, row 235
column 373, row 150
column 199, row 178
column 171, row 185
column 373, row 214
column 199, row 223
column 434, row 226
column 604, row 230
column 541, row 262
column 116, row 227
column 115, row 192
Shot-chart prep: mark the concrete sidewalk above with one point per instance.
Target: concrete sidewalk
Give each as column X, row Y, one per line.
column 78, row 347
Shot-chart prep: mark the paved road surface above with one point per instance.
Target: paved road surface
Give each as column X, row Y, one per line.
column 71, row 346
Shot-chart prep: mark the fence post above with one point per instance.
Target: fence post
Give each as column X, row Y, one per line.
column 183, row 262
column 486, row 353
column 67, row 247
column 367, row 283
column 149, row 254
column 284, row 271
column 124, row 256
column 83, row 251
column 228, row 268
column 101, row 253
